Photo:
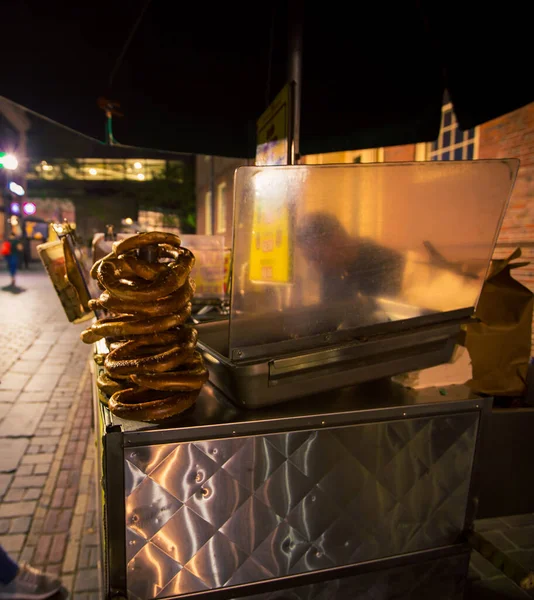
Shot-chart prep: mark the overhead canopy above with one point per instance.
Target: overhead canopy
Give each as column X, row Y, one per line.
column 196, row 76
column 47, row 139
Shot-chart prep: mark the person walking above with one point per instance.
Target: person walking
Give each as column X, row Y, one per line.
column 22, row 582
column 10, row 251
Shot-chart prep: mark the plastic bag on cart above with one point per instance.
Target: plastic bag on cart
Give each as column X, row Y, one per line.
column 500, row 343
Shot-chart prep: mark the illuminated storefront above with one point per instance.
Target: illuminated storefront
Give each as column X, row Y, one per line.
column 97, row 169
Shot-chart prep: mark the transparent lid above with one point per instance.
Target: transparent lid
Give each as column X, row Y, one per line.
column 208, row 271
column 325, row 248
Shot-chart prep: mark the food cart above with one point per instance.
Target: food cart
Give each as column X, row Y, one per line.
column 302, row 471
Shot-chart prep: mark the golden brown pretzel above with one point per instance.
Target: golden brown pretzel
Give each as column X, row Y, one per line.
column 142, row 290
column 141, row 240
column 152, row 371
column 126, row 325
column 162, row 306
column 110, row 386
column 94, row 268
column 188, row 377
column 142, row 404
column 179, row 352
column 142, row 268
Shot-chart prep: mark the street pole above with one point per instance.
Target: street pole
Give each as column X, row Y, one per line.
column 212, row 186
column 296, row 11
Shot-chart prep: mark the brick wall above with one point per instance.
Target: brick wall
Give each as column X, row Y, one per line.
column 512, row 136
column 399, row 153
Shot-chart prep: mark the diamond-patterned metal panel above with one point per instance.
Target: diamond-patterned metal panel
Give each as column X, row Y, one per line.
column 442, row 579
column 225, row 512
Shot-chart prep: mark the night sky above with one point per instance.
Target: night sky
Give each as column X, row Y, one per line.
column 196, row 76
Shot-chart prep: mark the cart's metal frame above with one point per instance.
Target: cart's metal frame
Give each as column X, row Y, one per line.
column 115, row 437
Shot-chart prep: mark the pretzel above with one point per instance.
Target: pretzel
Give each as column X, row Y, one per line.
column 152, row 371
column 162, row 306
column 142, row 404
column 151, row 238
column 127, row 325
column 118, row 363
column 187, row 377
column 141, row 290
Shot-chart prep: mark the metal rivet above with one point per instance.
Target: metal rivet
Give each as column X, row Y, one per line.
column 403, row 414
column 313, row 498
column 205, row 492
column 199, row 477
column 239, row 353
column 214, row 451
column 318, row 554
column 323, row 422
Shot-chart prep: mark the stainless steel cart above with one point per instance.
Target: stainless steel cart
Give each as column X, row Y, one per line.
column 347, row 484
column 334, row 486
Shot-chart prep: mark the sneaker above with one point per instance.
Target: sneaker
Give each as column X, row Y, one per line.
column 30, row 584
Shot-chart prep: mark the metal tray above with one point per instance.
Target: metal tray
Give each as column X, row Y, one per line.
column 256, row 382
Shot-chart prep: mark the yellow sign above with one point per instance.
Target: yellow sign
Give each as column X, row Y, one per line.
column 272, row 131
column 270, row 250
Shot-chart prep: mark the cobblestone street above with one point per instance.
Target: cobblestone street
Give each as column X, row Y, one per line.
column 47, row 487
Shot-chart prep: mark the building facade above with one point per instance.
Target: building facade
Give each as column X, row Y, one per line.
column 214, row 190
column 14, row 126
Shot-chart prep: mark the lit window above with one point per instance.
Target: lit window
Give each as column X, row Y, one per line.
column 453, row 143
column 221, row 208
column 208, row 218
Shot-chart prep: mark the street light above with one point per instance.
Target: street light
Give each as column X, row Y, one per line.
column 17, row 189
column 8, row 161
column 29, row 208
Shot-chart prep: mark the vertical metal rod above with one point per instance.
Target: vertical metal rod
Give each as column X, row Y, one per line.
column 115, row 510
column 296, row 8
column 212, row 186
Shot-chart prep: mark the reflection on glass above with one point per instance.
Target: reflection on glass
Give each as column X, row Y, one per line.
column 351, row 270
column 208, row 272
column 363, row 244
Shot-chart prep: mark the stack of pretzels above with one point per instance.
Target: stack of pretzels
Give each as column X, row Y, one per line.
column 152, row 371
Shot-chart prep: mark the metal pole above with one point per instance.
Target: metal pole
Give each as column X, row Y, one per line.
column 212, row 187
column 296, row 8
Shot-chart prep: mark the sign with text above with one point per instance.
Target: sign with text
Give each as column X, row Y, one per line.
column 270, row 245
column 272, row 131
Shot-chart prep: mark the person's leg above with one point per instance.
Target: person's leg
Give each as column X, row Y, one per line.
column 12, row 265
column 8, row 568
column 24, row 582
